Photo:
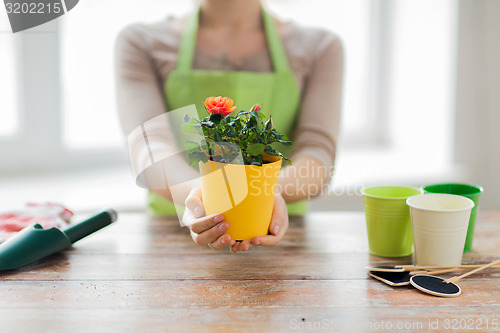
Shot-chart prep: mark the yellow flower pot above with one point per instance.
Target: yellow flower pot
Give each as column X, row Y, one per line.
column 243, row 194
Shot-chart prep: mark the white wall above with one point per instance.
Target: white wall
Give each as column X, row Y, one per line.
column 475, row 114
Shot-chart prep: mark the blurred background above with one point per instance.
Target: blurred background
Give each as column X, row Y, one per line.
column 421, row 99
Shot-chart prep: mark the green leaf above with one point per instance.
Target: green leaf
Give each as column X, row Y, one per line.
column 192, row 146
column 204, row 144
column 271, row 151
column 269, row 124
column 192, row 160
column 195, row 157
column 230, row 132
column 189, row 129
column 259, row 128
column 255, row 149
column 251, row 123
column 285, row 143
column 209, row 124
column 215, row 117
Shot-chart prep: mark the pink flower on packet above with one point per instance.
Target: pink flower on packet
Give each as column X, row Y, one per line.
column 48, row 215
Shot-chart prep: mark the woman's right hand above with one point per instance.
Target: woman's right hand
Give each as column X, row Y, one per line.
column 205, row 230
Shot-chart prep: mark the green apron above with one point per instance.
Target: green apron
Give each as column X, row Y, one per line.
column 277, row 92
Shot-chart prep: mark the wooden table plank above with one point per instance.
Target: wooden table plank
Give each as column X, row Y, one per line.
column 151, row 248
column 243, row 320
column 146, row 272
column 239, row 304
column 181, row 294
column 257, row 264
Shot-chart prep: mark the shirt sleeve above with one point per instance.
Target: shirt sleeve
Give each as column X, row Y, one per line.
column 318, row 123
column 142, row 110
column 139, row 90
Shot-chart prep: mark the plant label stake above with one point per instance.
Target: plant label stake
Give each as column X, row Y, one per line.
column 398, row 279
column 437, row 286
column 412, row 268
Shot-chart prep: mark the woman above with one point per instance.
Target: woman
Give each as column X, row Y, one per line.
column 235, row 48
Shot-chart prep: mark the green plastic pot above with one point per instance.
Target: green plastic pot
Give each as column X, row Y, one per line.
column 388, row 220
column 472, row 192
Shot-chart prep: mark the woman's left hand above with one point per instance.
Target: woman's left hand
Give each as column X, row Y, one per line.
column 277, row 228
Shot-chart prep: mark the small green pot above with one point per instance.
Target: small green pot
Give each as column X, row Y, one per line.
column 388, row 220
column 472, row 192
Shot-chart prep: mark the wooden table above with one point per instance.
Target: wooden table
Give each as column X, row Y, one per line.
column 144, row 274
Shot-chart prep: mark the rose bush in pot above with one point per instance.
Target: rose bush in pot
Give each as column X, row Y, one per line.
column 239, row 163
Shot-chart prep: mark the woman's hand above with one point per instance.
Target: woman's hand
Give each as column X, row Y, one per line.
column 277, row 228
column 205, row 230
column 209, row 230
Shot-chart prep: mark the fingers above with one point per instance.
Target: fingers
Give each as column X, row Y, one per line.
column 205, row 230
column 209, row 230
column 205, row 223
column 277, row 229
column 194, row 215
column 269, row 240
column 236, row 247
column 246, row 245
column 222, row 242
column 194, row 212
column 211, row 235
column 194, row 203
column 279, row 217
column 278, row 226
column 241, row 246
column 214, row 237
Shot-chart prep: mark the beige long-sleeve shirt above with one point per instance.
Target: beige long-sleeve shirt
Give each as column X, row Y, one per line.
column 147, row 53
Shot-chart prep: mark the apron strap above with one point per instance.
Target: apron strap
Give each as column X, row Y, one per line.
column 185, row 55
column 276, row 48
column 187, row 45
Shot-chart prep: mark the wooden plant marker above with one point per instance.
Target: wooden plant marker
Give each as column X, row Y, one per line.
column 437, row 286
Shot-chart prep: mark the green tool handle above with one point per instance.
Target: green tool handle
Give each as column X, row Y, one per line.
column 85, row 228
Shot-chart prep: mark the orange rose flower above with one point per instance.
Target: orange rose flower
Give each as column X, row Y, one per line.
column 219, row 105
